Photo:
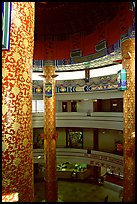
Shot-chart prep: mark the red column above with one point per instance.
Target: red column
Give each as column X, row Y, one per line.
column 128, row 63
column 17, row 138
column 50, row 135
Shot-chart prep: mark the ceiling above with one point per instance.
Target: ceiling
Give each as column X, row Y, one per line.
column 63, row 27
column 58, row 20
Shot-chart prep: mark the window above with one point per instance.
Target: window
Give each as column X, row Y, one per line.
column 74, row 138
column 34, row 106
column 40, row 106
column 74, row 106
column 37, row 106
column 64, row 107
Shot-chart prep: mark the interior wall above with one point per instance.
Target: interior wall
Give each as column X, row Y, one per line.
column 85, row 106
column 82, row 106
column 61, row 141
column 87, row 138
column 106, row 105
column 110, row 137
column 58, row 106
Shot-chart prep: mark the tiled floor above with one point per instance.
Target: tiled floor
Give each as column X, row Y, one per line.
column 69, row 191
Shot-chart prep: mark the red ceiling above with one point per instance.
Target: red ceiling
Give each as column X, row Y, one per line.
column 64, row 18
column 60, row 25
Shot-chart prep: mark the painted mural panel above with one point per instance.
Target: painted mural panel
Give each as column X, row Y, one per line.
column 109, row 82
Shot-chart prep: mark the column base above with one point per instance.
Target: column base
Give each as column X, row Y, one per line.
column 51, row 194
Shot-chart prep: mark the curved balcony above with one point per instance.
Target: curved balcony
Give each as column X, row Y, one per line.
column 105, row 120
column 95, row 158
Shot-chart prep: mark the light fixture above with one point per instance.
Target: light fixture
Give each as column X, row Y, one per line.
column 114, row 104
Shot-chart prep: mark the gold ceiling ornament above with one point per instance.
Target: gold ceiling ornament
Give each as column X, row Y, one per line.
column 133, row 134
column 16, row 161
column 15, row 90
column 26, row 174
column 26, row 11
column 4, row 109
column 26, row 43
column 3, row 62
column 15, row 126
column 5, row 182
column 25, row 108
column 31, row 155
column 25, row 142
column 4, row 72
column 17, row 22
column 25, row 75
column 5, row 146
column 16, row 56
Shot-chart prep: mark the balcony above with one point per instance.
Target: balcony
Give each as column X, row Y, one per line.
column 95, row 158
column 105, row 120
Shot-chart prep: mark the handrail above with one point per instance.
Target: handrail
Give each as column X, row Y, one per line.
column 96, row 158
column 77, row 119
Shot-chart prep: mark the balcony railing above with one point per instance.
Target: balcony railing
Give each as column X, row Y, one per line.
column 95, row 158
column 106, row 120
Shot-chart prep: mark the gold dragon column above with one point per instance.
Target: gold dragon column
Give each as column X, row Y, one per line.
column 17, row 135
column 51, row 189
column 128, row 63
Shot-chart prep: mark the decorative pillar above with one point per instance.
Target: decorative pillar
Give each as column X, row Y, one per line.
column 128, row 63
column 51, row 194
column 17, row 137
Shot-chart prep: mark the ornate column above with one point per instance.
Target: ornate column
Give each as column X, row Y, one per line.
column 128, row 63
column 17, row 137
column 50, row 134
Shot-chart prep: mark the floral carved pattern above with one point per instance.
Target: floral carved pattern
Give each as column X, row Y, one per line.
column 128, row 62
column 17, row 163
column 50, row 141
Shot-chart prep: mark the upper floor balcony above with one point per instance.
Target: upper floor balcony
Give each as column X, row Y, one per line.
column 105, row 120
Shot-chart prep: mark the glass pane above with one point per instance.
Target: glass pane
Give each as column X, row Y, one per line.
column 64, row 107
column 34, row 106
column 40, row 106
